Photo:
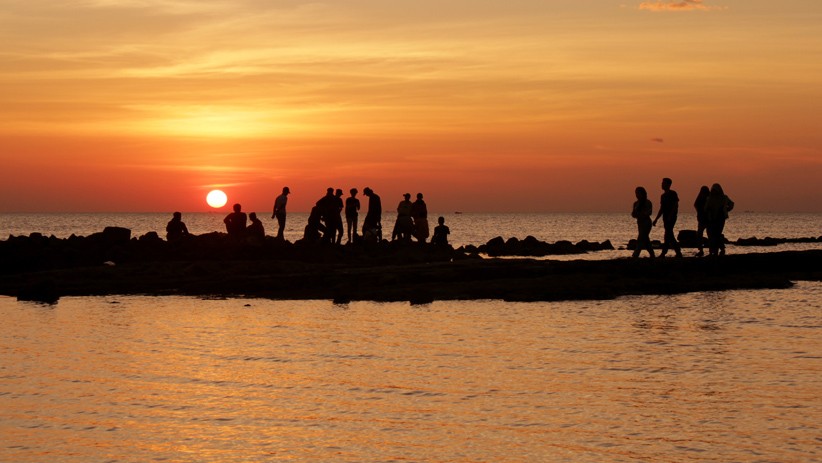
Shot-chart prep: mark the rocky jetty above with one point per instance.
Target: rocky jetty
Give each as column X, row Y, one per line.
column 44, row 269
column 690, row 239
column 532, row 247
column 768, row 241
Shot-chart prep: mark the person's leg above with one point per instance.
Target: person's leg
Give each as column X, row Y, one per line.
column 670, row 237
column 721, row 237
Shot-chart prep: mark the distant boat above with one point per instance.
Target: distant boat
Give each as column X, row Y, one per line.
column 457, row 212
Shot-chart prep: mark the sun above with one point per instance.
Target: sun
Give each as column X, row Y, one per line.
column 216, row 198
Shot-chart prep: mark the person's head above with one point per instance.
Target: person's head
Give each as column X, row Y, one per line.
column 253, row 216
column 286, row 190
column 407, row 196
column 666, row 183
column 716, row 189
column 177, row 215
column 353, row 191
column 329, row 191
column 704, row 191
column 641, row 194
column 368, row 191
column 237, row 207
column 419, row 195
column 441, row 220
column 338, row 192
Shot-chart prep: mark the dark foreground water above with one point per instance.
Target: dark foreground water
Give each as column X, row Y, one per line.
column 705, row 377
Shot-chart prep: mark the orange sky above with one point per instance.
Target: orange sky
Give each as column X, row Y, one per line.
column 523, row 105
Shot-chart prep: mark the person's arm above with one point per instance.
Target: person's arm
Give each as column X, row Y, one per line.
column 659, row 214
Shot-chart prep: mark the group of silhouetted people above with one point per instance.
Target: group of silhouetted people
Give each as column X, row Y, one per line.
column 712, row 208
column 325, row 223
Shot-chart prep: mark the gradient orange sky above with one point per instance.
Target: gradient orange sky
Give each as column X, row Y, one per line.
column 518, row 105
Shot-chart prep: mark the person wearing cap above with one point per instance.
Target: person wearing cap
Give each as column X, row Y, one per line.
column 279, row 211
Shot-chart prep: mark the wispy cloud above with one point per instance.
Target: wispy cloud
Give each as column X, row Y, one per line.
column 684, row 5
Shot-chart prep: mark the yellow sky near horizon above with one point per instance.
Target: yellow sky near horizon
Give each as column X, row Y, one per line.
column 525, row 105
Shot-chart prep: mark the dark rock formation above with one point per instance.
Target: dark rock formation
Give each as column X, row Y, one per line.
column 44, row 269
column 532, row 247
column 768, row 241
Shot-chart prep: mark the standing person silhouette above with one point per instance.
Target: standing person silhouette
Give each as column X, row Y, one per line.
column 336, row 216
column 716, row 212
column 327, row 207
column 235, row 222
column 643, row 208
column 419, row 212
column 404, row 226
column 668, row 210
column 352, row 212
column 176, row 228
column 372, row 224
column 279, row 211
column 701, row 216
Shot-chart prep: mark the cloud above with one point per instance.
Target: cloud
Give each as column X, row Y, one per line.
column 684, row 5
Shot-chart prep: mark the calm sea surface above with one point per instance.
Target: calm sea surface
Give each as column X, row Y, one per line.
column 706, row 377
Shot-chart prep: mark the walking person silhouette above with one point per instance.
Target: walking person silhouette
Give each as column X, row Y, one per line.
column 643, row 208
column 668, row 210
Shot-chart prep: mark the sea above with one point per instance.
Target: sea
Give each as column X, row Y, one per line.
column 730, row 376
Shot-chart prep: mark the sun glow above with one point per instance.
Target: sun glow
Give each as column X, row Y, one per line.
column 216, row 198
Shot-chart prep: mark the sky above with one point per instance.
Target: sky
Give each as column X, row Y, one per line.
column 483, row 106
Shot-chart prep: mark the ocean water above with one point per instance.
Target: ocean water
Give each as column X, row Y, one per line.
column 706, row 377
column 467, row 228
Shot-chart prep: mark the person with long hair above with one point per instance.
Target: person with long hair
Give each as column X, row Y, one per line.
column 643, row 208
column 701, row 219
column 716, row 213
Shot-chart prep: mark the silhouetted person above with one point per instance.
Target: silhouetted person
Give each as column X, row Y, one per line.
column 372, row 224
column 642, row 213
column 352, row 212
column 176, row 228
column 314, row 226
column 235, row 222
column 441, row 233
column 336, row 216
column 279, row 211
column 668, row 210
column 327, row 207
column 255, row 231
column 701, row 216
column 404, row 226
column 419, row 212
column 716, row 212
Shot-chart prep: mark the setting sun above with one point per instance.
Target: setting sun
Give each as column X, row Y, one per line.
column 216, row 198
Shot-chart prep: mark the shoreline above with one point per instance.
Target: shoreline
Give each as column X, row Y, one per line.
column 525, row 280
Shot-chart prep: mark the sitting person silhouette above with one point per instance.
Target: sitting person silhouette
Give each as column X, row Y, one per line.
column 315, row 227
column 176, row 228
column 235, row 222
column 255, row 231
column 441, row 233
